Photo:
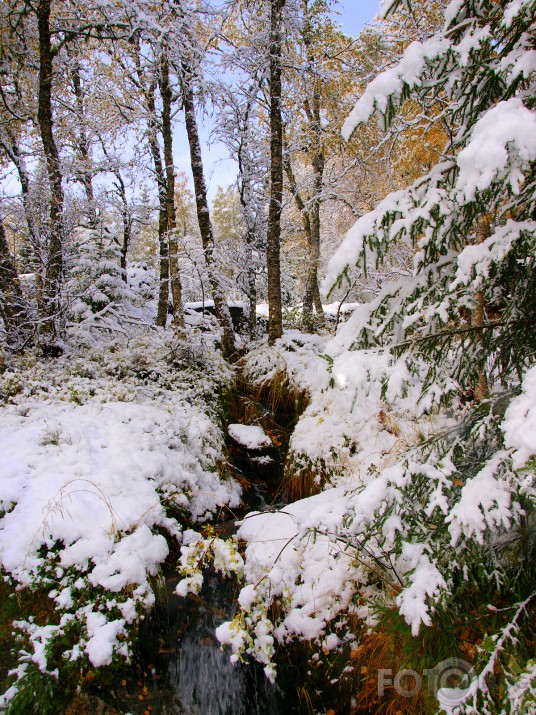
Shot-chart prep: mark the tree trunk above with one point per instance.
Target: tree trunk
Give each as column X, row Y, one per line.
column 176, row 289
column 203, row 215
column 84, row 172
column 13, row 152
column 251, row 282
column 273, row 262
column 313, row 112
column 311, row 227
column 246, row 202
column 308, row 302
column 250, row 213
column 163, row 293
column 477, row 319
column 54, row 262
column 13, row 309
column 317, row 300
column 314, row 246
column 126, row 220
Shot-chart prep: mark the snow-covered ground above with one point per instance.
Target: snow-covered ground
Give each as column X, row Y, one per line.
column 103, row 451
column 117, row 442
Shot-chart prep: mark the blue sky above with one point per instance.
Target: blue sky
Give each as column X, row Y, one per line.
column 355, row 13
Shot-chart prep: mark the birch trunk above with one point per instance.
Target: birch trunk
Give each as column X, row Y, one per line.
column 167, row 134
column 154, row 147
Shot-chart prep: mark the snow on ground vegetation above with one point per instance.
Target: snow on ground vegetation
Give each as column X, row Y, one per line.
column 103, row 451
column 249, row 436
column 396, row 521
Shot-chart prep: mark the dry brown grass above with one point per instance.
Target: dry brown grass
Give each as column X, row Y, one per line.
column 379, row 650
column 303, row 481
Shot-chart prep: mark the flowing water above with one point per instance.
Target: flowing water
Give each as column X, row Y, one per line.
column 184, row 671
column 204, row 680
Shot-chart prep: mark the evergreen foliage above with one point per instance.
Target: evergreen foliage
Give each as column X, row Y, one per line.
column 97, row 279
column 441, row 533
column 481, row 67
column 463, row 323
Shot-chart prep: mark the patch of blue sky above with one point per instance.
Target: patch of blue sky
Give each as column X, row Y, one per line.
column 353, row 15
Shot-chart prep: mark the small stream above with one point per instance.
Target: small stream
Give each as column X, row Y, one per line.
column 183, row 670
column 204, row 680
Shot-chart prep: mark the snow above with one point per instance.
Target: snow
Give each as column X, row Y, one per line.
column 388, row 85
column 247, row 596
column 305, row 554
column 109, row 448
column 513, row 9
column 101, row 450
column 485, row 503
column 452, row 10
column 519, row 424
column 449, row 698
column 361, row 428
column 475, row 261
column 503, row 139
column 276, row 558
column 262, row 310
column 427, row 582
column 249, row 436
column 209, row 303
column 349, row 251
column 332, row 309
column 102, row 635
column 82, row 474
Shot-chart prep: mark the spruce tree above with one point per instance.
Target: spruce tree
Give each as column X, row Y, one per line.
column 462, row 326
column 471, row 218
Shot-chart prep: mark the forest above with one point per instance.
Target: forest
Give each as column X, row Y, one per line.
column 267, row 358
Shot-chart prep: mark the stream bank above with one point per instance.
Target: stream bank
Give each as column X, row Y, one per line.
column 181, row 669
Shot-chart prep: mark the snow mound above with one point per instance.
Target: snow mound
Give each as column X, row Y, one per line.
column 249, row 436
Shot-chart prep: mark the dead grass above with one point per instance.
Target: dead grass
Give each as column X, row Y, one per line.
column 302, row 482
column 378, row 651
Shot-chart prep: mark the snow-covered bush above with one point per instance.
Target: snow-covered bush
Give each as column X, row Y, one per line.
column 143, row 281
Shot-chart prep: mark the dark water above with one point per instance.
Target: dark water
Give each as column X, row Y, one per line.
column 202, row 677
column 182, row 669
